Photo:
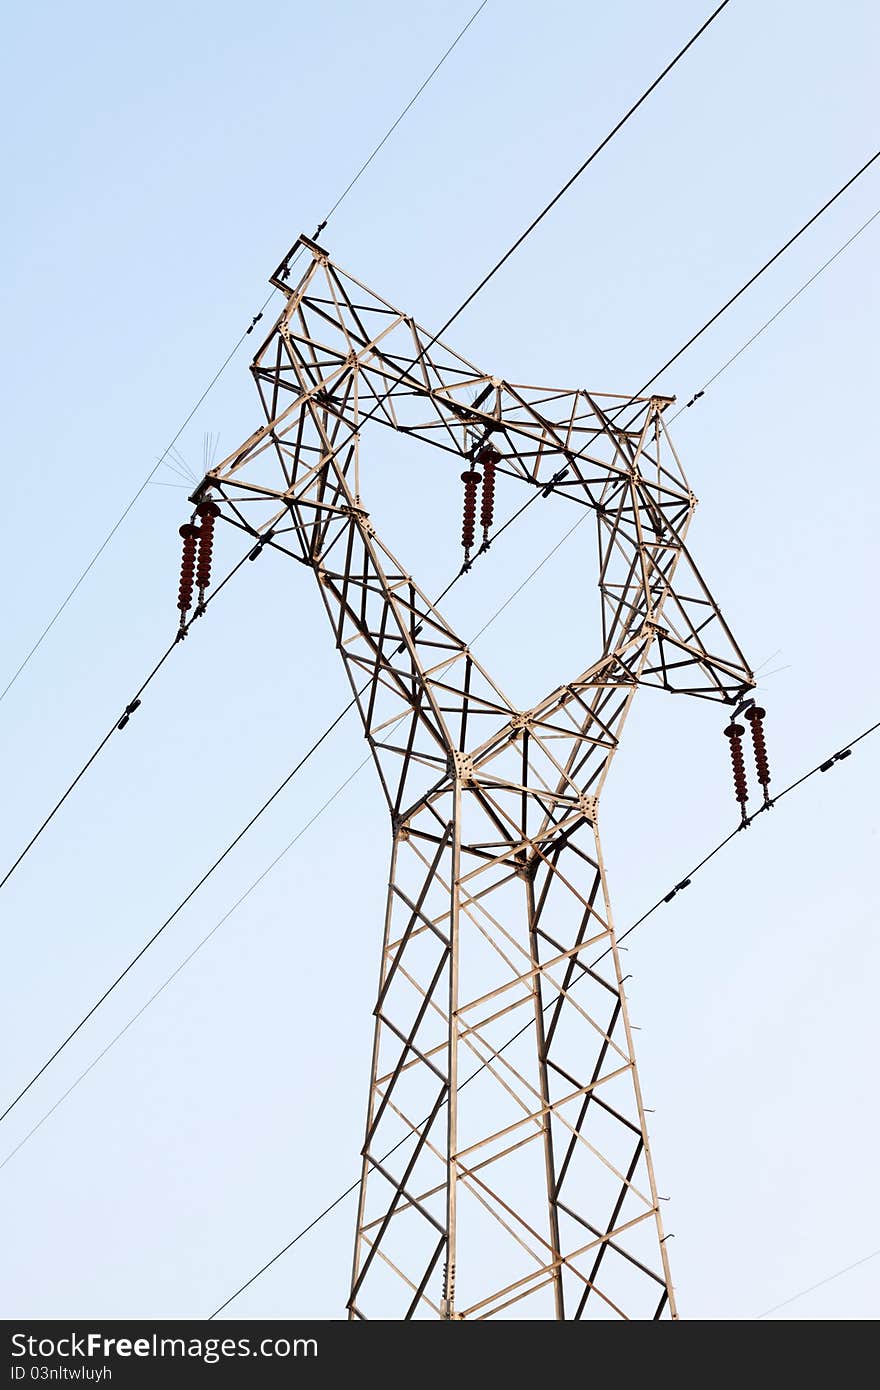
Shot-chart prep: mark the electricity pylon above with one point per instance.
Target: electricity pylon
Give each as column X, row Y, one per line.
column 506, row 1163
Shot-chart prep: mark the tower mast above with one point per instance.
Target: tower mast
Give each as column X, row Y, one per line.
column 506, row 1164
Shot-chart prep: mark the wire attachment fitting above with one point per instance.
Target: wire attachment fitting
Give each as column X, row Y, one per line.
column 129, row 711
column 836, row 758
column 679, row 888
column 551, row 486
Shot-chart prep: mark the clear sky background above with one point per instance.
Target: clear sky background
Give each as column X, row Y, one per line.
column 156, row 164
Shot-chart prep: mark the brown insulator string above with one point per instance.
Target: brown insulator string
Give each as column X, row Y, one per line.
column 488, row 457
column 735, row 732
column 190, row 536
column 471, row 480
column 755, row 716
column 207, row 511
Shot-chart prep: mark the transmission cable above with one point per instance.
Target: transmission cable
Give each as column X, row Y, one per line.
column 825, row 766
column 773, row 317
column 436, row 336
column 370, row 415
column 683, row 883
column 186, row 960
column 351, row 703
column 829, row 1278
column 583, row 167
column 121, row 518
column 454, row 580
column 241, row 834
column 748, row 284
column 173, row 442
column 257, row 881
column 120, row 723
column 225, row 363
column 178, row 909
column 448, row 323
column 121, row 720
column 391, row 129
column 680, row 885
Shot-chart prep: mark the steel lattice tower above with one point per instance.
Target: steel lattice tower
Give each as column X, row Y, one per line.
column 528, row 1190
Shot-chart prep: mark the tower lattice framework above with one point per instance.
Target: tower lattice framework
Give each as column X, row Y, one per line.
column 506, row 1163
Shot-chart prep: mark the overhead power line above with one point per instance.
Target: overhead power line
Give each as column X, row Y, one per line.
column 178, row 909
column 121, row 719
column 226, row 361
column 516, row 515
column 773, row 317
column 123, row 514
column 679, row 886
column 683, row 882
column 255, row 884
column 253, row 820
column 582, row 168
column 184, row 963
column 232, row 844
column 343, row 712
column 391, row 129
column 751, row 280
column 824, row 767
column 829, row 1278
column 169, row 448
column 585, row 165
column 451, row 320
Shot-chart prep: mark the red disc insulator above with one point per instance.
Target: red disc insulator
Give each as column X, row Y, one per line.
column 488, row 457
column 735, row 732
column 755, row 716
column 207, row 511
column 190, row 534
column 471, row 480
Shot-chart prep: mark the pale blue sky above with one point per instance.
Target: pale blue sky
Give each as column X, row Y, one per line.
column 157, row 164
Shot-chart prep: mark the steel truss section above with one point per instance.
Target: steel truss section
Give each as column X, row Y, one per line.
column 500, row 1178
